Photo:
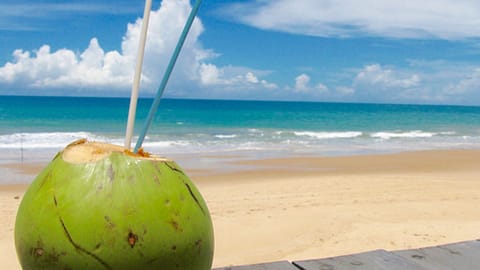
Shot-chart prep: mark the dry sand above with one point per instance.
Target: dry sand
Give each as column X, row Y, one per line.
column 305, row 208
column 10, row 197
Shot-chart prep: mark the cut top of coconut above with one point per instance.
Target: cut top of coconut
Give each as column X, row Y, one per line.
column 83, row 151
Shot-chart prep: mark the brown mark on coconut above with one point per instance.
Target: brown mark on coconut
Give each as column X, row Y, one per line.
column 37, row 252
column 167, row 202
column 110, row 224
column 54, row 256
column 156, row 179
column 74, row 244
column 198, row 245
column 157, row 166
column 111, row 173
column 175, row 225
column 132, row 239
column 45, row 257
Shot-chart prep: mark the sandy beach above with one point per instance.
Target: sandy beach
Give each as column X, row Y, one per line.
column 313, row 207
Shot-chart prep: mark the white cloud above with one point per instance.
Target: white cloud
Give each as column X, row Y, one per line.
column 232, row 78
column 345, row 90
column 99, row 70
column 377, row 83
column 444, row 19
column 251, row 78
column 448, row 83
column 269, row 85
column 302, row 85
column 433, row 82
column 301, row 82
column 96, row 70
column 381, row 78
column 370, row 83
column 65, row 68
column 437, row 82
column 209, row 74
column 466, row 87
column 321, row 87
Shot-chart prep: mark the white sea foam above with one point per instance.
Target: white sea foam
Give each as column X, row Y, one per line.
column 329, row 135
column 407, row 134
column 165, row 144
column 226, row 136
column 44, row 139
column 253, row 140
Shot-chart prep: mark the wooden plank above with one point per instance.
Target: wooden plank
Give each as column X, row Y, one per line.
column 283, row 265
column 458, row 256
column 373, row 260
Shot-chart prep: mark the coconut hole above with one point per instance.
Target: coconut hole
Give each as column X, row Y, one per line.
column 83, row 151
column 132, row 239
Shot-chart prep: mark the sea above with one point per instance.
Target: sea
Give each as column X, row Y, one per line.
column 35, row 128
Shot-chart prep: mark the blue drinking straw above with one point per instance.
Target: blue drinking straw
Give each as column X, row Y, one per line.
column 166, row 76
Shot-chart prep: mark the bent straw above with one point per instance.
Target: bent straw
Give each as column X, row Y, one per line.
column 138, row 72
column 166, row 76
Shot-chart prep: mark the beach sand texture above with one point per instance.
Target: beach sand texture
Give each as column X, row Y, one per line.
column 306, row 208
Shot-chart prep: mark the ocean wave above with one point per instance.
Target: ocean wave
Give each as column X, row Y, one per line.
column 448, row 133
column 225, row 136
column 252, row 140
column 407, row 134
column 165, row 144
column 329, row 135
column 44, row 139
column 58, row 140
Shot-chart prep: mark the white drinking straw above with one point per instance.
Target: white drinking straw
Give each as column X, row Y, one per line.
column 166, row 75
column 138, row 72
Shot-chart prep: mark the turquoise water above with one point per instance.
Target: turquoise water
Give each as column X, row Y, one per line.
column 253, row 128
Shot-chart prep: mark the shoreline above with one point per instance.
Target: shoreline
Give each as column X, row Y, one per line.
column 355, row 163
column 314, row 207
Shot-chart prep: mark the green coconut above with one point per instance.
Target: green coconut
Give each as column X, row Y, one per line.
column 97, row 206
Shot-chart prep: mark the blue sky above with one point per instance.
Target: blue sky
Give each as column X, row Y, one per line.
column 317, row 50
